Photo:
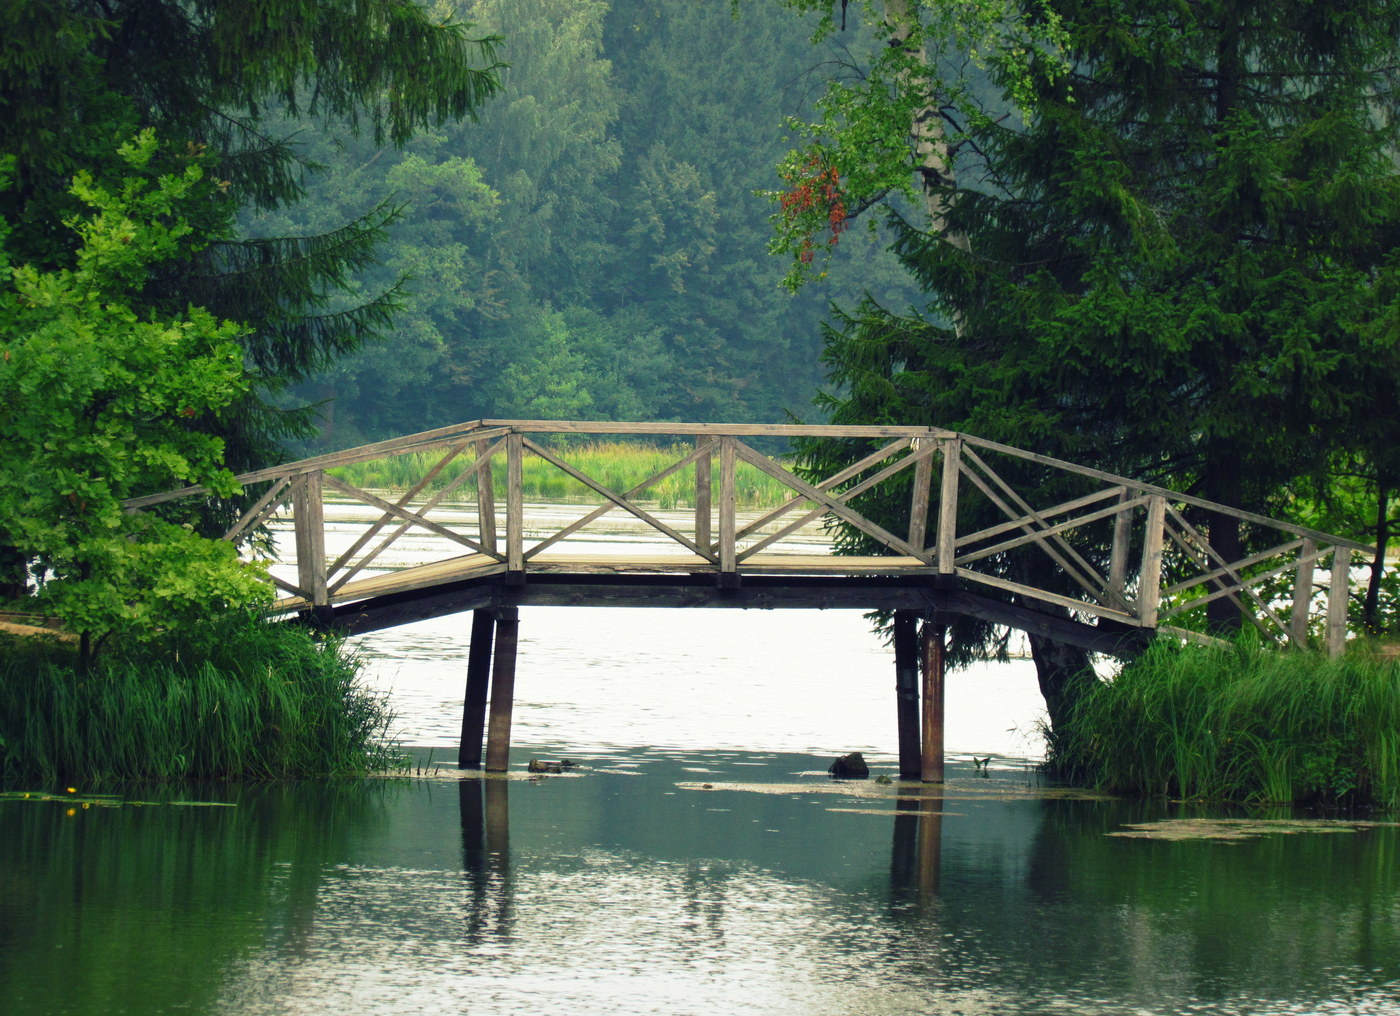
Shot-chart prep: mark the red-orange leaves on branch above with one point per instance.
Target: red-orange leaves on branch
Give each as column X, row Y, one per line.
column 813, row 204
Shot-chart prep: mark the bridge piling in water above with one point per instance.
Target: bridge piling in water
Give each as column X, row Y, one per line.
column 933, row 636
column 906, row 683
column 478, row 680
column 502, row 690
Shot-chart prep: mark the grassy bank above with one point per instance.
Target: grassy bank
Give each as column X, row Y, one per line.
column 1241, row 724
column 237, row 699
column 616, row 465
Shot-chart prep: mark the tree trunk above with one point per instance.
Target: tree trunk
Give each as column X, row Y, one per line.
column 932, row 157
column 1370, row 613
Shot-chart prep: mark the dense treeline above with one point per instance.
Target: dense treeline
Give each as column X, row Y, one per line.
column 595, row 245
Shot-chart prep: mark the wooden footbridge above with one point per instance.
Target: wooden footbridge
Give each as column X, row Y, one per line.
column 1128, row 559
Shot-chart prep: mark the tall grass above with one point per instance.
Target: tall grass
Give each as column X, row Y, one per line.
column 1244, row 724
column 238, row 698
column 616, row 465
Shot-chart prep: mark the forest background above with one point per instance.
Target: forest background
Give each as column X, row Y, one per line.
column 594, row 245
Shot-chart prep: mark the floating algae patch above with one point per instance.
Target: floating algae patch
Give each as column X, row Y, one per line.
column 103, row 800
column 892, row 812
column 1238, row 828
column 960, row 790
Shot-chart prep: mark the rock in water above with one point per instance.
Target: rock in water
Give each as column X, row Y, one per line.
column 541, row 766
column 850, row 767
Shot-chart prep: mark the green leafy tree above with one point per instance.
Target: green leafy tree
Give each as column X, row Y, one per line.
column 96, row 398
column 79, row 76
column 1174, row 261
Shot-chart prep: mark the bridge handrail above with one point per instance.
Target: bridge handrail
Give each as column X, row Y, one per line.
column 480, row 430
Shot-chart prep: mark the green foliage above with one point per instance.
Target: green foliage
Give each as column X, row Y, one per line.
column 80, row 77
column 233, row 698
column 97, row 399
column 1243, row 723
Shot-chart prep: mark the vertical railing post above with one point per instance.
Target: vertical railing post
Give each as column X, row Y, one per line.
column 728, row 549
column 515, row 502
column 1150, row 575
column 485, row 498
column 311, row 538
column 1338, row 593
column 704, row 495
column 1122, row 538
column 948, row 506
column 1302, row 593
column 918, row 503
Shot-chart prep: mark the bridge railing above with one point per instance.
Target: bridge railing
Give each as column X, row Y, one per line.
column 1106, row 547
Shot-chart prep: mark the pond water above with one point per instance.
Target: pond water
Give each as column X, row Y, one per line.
column 696, row 860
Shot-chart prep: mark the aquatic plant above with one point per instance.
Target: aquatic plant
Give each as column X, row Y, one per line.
column 1243, row 723
column 233, row 698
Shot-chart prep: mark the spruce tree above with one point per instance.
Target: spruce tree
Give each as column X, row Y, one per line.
column 1174, row 262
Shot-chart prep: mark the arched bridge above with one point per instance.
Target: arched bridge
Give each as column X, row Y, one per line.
column 1127, row 559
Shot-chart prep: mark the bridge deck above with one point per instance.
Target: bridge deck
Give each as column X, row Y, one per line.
column 478, row 566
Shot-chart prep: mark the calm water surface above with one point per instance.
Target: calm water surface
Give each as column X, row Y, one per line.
column 697, row 860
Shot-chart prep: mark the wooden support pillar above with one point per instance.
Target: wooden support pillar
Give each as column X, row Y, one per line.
column 478, row 678
column 931, row 763
column 1338, row 593
column 906, row 685
column 1302, row 594
column 502, row 690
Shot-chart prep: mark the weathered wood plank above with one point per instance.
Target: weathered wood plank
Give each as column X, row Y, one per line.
column 486, row 493
column 403, row 502
column 389, row 540
column 515, row 502
column 922, row 456
column 1150, row 572
column 1118, row 556
column 850, row 472
column 1063, row 553
column 616, row 498
column 414, row 517
column 1147, row 488
column 1031, row 592
column 713, row 429
column 597, row 513
column 704, row 492
column 264, row 506
column 947, row 542
column 834, row 506
column 918, row 502
column 728, row 542
column 1303, row 592
column 1338, row 595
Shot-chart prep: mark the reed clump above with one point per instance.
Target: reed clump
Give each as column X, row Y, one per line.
column 618, row 466
column 237, row 699
column 1242, row 724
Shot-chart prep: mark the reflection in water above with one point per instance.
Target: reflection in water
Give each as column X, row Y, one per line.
column 605, row 892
